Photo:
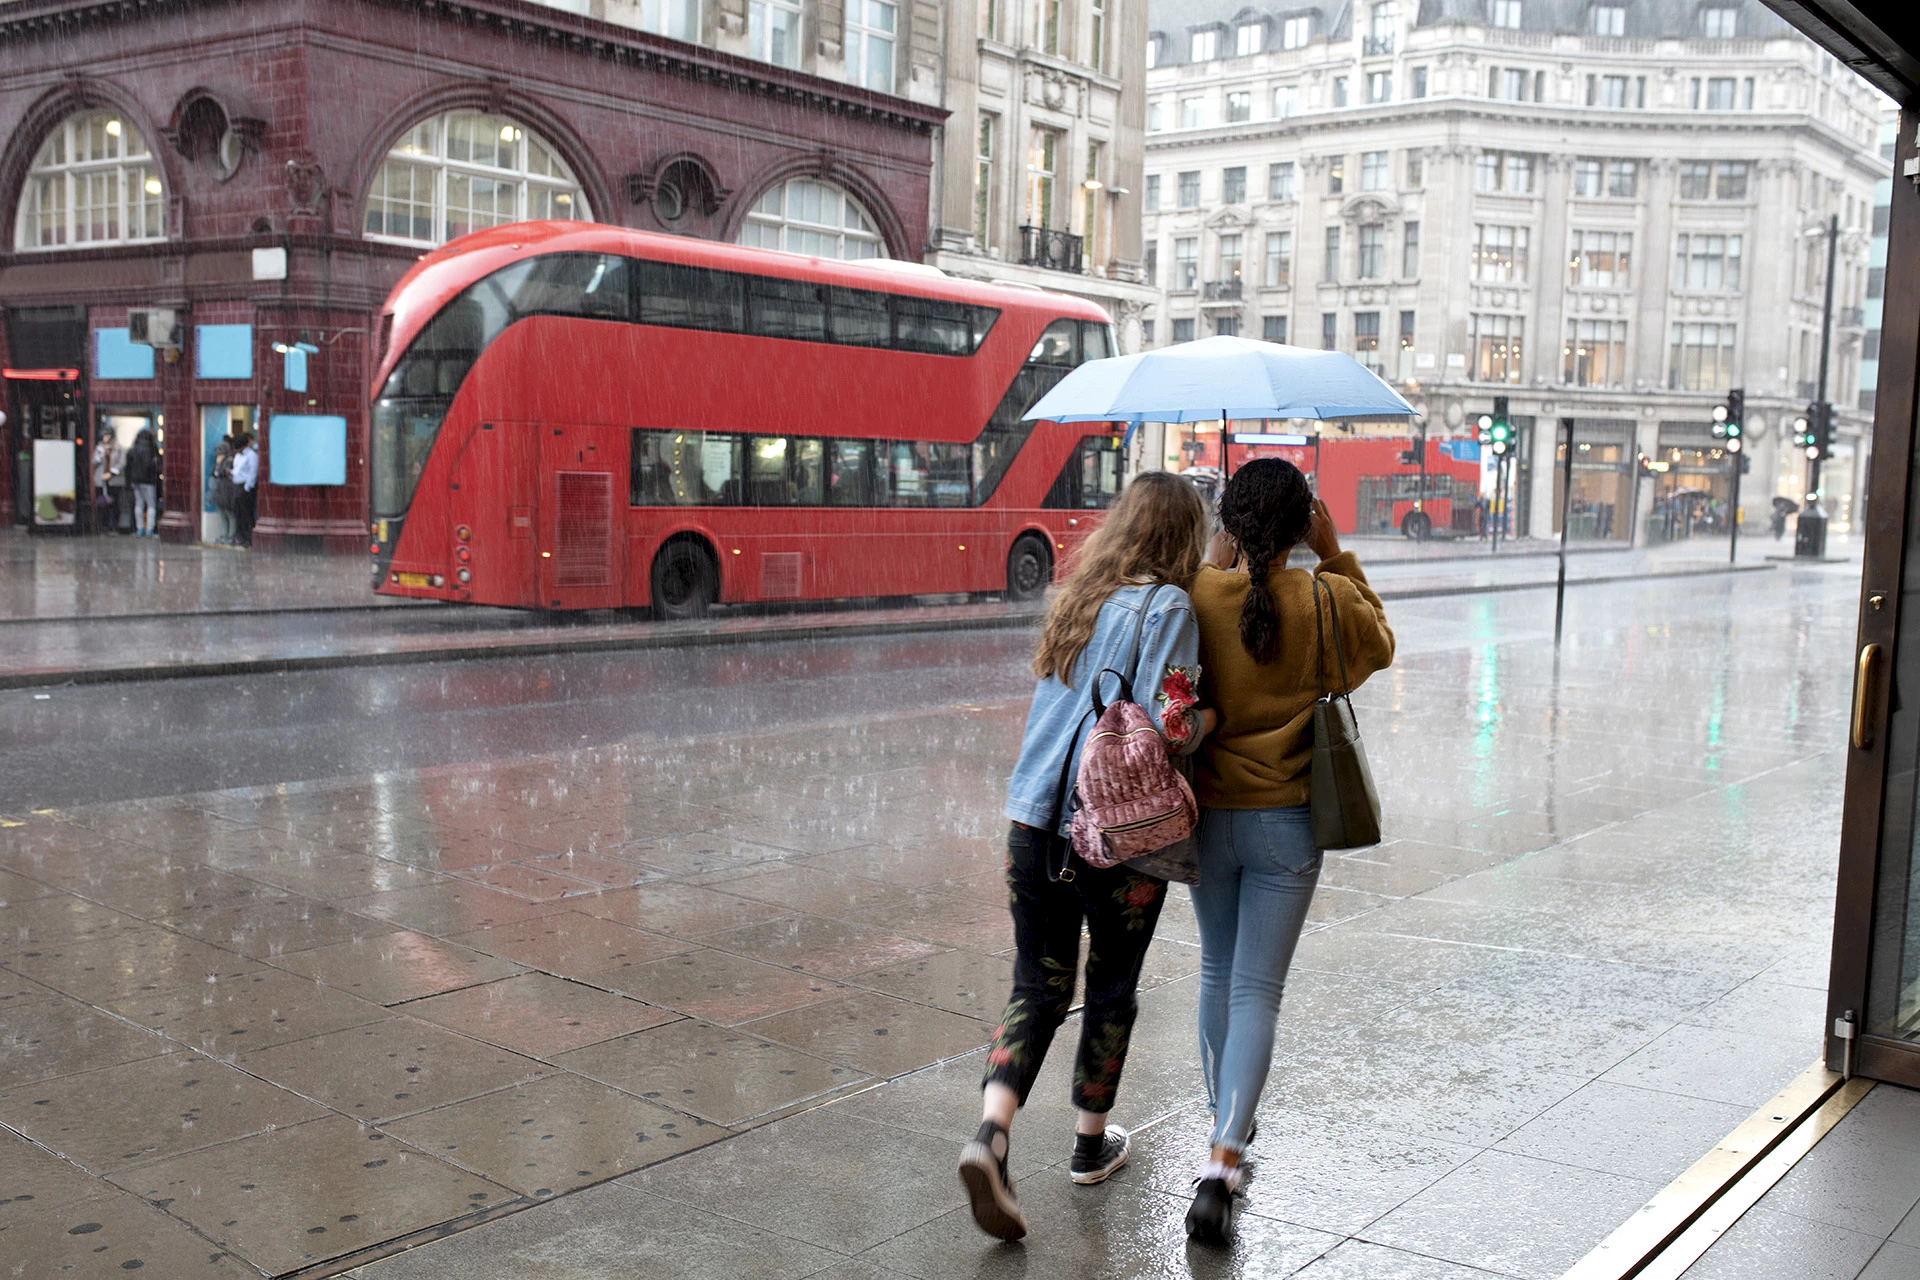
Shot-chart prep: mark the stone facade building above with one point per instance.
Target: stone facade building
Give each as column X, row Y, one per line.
column 240, row 184
column 1038, row 175
column 1595, row 209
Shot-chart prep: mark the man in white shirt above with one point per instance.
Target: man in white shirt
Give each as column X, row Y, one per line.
column 246, row 474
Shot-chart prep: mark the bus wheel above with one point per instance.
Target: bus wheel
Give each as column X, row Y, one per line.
column 685, row 580
column 1029, row 568
column 1417, row 525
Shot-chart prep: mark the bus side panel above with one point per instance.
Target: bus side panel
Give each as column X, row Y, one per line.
column 583, row 494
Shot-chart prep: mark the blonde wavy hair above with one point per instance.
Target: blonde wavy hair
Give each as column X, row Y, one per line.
column 1155, row 532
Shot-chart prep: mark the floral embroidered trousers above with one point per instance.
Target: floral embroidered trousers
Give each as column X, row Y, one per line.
column 1120, row 908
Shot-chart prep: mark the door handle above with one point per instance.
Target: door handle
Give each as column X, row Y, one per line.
column 1862, row 695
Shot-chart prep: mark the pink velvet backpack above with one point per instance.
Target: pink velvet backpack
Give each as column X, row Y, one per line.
column 1129, row 800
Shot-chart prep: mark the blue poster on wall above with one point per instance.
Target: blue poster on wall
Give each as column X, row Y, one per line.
column 223, row 351
column 114, row 356
column 306, row 448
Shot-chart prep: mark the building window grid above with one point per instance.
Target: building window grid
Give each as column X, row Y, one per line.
column 1187, row 192
column 1419, row 82
column 1713, row 179
column 1504, row 13
column 805, row 215
column 1090, row 190
column 1336, row 175
column 1409, row 250
column 1279, row 260
column 869, row 44
column 1296, row 32
column 773, row 32
column 1701, row 357
column 1202, row 46
column 1416, row 171
column 1508, row 171
column 1329, row 330
column 1373, row 171
column 1239, row 106
column 1366, row 339
column 1607, row 20
column 1248, row 38
column 1183, row 329
column 464, row 171
column 1496, row 342
column 1042, row 161
column 1595, row 354
column 1372, row 252
column 1600, row 260
column 1280, row 181
column 1097, row 35
column 1330, row 264
column 1186, row 263
column 1719, row 23
column 1339, row 91
column 1499, row 254
column 1230, row 257
column 675, row 19
column 1192, row 113
column 1151, row 199
column 1707, row 262
column 1273, row 328
column 1286, row 101
column 93, row 181
column 1233, row 185
column 983, row 183
column 1380, row 86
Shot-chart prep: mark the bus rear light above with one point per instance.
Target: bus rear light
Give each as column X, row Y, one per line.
column 462, row 554
column 465, row 576
column 463, row 533
column 374, row 549
column 438, row 581
column 394, row 578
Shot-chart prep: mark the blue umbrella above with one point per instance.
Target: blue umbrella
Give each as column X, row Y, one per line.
column 1217, row 378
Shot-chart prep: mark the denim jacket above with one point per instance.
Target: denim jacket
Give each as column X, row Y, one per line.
column 1166, row 683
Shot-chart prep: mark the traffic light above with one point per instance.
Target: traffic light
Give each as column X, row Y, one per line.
column 1409, row 457
column 1486, row 428
column 1820, row 437
column 1499, row 430
column 1803, row 427
column 1727, row 419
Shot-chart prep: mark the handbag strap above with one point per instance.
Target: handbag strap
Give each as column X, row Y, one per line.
column 1346, row 690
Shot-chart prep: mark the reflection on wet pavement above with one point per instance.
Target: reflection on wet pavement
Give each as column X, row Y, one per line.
column 752, row 926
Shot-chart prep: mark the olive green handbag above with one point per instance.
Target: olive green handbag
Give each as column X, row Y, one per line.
column 1346, row 808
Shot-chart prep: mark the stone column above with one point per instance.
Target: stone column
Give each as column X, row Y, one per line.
column 1655, row 253
column 1550, row 275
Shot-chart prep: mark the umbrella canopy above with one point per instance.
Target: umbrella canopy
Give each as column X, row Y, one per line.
column 1218, row 378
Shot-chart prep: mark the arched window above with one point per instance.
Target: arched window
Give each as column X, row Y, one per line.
column 464, row 171
column 94, row 182
column 805, row 215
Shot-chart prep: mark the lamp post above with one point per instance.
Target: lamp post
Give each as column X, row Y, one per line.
column 1810, row 532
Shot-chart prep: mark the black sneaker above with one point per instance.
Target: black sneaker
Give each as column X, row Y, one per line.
column 1210, row 1219
column 983, row 1172
column 1099, row 1163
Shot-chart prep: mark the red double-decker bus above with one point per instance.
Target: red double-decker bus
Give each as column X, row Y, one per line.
column 570, row 416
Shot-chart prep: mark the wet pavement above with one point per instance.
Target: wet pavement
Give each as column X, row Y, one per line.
column 702, row 945
column 98, row 611
column 1849, row 1210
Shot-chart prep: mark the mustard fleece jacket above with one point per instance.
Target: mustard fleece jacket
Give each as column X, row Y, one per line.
column 1258, row 755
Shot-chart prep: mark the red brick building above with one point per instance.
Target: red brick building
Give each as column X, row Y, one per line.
column 265, row 170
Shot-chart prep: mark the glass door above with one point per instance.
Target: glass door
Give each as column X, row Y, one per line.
column 1874, row 989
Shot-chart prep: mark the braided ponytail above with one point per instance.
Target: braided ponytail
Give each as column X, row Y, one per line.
column 1267, row 506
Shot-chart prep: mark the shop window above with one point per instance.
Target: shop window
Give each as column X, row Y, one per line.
column 465, row 171
column 93, row 181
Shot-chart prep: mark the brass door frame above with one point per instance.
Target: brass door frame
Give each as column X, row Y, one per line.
column 1867, row 807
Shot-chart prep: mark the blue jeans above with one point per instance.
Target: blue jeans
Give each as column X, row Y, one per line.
column 1258, row 868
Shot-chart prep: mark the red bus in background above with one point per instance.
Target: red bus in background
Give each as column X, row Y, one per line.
column 571, row 416
column 1367, row 483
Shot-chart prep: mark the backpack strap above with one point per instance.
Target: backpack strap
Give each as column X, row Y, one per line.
column 1064, row 788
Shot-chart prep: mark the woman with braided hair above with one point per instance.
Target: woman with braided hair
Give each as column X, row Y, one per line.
column 1260, row 627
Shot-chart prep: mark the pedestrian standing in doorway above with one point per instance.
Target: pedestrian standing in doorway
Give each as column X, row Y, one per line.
column 1261, row 628
column 220, row 481
column 108, row 464
column 1128, row 580
column 246, row 476
column 143, row 474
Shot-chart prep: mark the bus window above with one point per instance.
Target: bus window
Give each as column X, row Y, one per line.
column 850, row 476
column 1001, row 439
column 929, row 473
column 767, row 484
column 1096, row 341
column 1056, row 345
column 932, row 326
column 1090, row 480
column 689, row 297
column 593, row 285
column 809, row 472
column 786, row 309
column 685, row 469
column 859, row 318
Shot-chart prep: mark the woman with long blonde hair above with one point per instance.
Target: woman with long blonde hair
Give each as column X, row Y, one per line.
column 1129, row 579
